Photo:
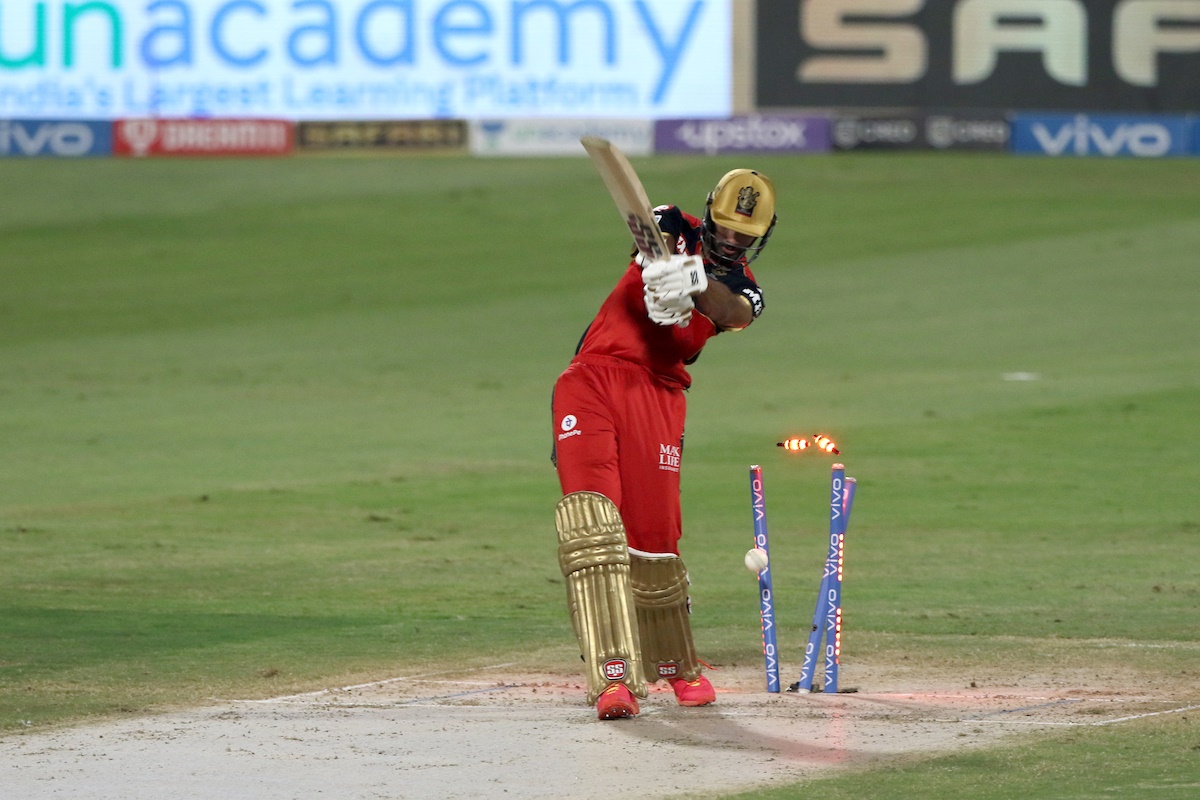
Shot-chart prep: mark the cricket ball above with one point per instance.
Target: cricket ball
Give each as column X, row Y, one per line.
column 756, row 559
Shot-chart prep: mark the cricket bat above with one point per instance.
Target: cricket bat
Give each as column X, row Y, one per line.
column 627, row 192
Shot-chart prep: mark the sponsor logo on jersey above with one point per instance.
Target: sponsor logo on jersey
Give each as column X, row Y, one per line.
column 568, row 425
column 669, row 456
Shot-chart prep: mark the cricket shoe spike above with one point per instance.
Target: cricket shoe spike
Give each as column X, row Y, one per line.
column 616, row 702
column 694, row 693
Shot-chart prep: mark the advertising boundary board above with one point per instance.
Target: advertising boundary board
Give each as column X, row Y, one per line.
column 559, row 137
column 749, row 133
column 1081, row 134
column 382, row 135
column 1106, row 135
column 954, row 130
column 202, row 137
column 61, row 138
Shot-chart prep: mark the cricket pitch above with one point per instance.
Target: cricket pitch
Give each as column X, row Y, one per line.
column 497, row 733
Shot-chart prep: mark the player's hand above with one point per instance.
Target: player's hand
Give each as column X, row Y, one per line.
column 676, row 276
column 665, row 311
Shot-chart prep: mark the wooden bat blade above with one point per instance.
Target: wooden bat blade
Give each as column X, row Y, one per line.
column 628, row 194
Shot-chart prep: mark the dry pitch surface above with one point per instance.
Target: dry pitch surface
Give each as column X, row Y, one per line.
column 497, row 733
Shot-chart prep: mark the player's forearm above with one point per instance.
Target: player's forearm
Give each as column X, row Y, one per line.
column 727, row 310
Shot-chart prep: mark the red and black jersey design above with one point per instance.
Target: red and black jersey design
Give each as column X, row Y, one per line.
column 686, row 230
column 622, row 329
column 619, row 408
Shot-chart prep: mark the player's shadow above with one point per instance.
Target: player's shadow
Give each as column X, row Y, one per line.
column 816, row 741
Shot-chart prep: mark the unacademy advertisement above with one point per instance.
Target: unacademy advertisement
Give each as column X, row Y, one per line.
column 348, row 59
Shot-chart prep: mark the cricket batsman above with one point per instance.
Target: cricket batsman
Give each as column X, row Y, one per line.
column 618, row 416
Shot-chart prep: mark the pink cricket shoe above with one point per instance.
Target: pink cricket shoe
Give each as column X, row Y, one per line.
column 694, row 693
column 616, row 702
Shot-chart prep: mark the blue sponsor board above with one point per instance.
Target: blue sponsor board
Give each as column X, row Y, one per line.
column 1139, row 136
column 1194, row 121
column 67, row 138
column 744, row 134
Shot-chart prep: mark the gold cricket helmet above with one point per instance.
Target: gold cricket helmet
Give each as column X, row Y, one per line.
column 743, row 202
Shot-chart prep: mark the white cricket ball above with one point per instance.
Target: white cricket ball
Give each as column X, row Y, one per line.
column 756, row 559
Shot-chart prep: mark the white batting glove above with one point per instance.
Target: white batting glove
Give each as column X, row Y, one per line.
column 676, row 276
column 674, row 310
column 644, row 261
column 669, row 314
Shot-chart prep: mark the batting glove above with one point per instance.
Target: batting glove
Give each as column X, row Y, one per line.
column 677, row 276
column 665, row 311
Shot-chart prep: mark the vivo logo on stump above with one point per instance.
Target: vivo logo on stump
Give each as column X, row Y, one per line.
column 766, row 590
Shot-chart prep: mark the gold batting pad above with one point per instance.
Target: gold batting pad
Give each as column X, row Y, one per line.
column 594, row 558
column 660, row 594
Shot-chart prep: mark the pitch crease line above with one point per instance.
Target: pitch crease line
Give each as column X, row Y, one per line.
column 1023, row 722
column 419, row 700
column 372, row 684
column 1148, row 714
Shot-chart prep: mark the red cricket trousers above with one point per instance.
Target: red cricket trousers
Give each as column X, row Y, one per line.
column 618, row 430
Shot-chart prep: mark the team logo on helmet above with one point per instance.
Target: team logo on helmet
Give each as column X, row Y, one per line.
column 614, row 669
column 747, row 200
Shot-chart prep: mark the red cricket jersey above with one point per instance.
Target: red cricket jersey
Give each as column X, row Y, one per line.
column 619, row 407
column 623, row 330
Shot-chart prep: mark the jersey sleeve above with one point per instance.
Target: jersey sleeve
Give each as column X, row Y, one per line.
column 685, row 230
column 674, row 223
column 741, row 282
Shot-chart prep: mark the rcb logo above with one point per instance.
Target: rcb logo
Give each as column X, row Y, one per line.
column 747, row 200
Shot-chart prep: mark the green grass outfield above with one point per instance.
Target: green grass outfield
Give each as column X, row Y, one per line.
column 268, row 426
